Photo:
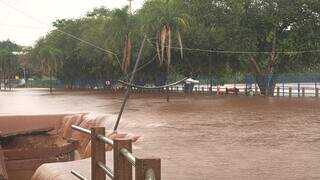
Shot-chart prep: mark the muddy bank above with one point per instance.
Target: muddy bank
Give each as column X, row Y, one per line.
column 203, row 137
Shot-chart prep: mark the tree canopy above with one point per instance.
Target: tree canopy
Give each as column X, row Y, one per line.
column 198, row 38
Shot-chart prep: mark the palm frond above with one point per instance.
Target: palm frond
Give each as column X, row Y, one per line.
column 180, row 44
column 158, row 48
column 169, row 46
column 162, row 42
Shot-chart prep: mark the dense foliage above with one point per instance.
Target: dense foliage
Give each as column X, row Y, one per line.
column 9, row 65
column 228, row 32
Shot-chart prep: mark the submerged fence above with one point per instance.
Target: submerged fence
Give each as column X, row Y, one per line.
column 293, row 84
column 123, row 159
column 297, row 85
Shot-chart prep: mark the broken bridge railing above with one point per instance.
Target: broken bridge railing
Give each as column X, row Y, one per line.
column 123, row 159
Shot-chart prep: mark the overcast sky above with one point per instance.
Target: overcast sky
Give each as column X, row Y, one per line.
column 24, row 21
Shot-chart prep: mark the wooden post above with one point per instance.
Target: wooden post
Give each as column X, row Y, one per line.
column 290, row 91
column 147, row 166
column 246, row 90
column 278, row 91
column 177, row 89
column 196, row 89
column 255, row 89
column 317, row 92
column 3, row 172
column 97, row 154
column 167, row 93
column 122, row 167
column 202, row 89
column 303, row 92
column 299, row 89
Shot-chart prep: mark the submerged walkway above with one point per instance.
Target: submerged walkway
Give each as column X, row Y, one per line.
column 201, row 137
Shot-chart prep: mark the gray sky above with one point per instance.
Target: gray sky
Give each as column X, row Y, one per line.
column 24, row 21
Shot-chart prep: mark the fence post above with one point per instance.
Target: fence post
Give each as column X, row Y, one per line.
column 255, row 89
column 202, row 89
column 97, row 154
column 290, row 91
column 150, row 167
column 303, row 92
column 196, row 89
column 299, row 89
column 317, row 92
column 246, row 90
column 121, row 167
column 278, row 91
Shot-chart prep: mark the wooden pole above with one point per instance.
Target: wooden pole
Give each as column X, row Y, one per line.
column 282, row 88
column 97, row 154
column 303, row 92
column 317, row 92
column 290, row 91
column 126, row 96
column 122, row 167
column 278, row 91
column 299, row 89
column 148, row 167
column 3, row 172
column 255, row 89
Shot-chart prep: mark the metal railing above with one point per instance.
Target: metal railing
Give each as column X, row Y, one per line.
column 123, row 159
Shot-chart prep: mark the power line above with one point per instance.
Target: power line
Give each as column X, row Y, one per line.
column 240, row 52
column 21, row 26
column 61, row 31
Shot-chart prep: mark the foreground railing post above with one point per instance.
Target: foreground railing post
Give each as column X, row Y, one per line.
column 121, row 167
column 97, row 154
column 148, row 169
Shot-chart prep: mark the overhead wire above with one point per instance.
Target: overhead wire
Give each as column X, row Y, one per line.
column 242, row 52
column 61, row 31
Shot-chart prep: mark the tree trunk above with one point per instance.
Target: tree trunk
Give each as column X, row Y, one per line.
column 266, row 83
column 50, row 81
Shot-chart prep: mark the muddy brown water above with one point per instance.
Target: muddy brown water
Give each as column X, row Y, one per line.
column 202, row 137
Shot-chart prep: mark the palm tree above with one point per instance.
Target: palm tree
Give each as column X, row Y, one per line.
column 50, row 60
column 169, row 21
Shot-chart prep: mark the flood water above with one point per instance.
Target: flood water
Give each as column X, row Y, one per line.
column 201, row 137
